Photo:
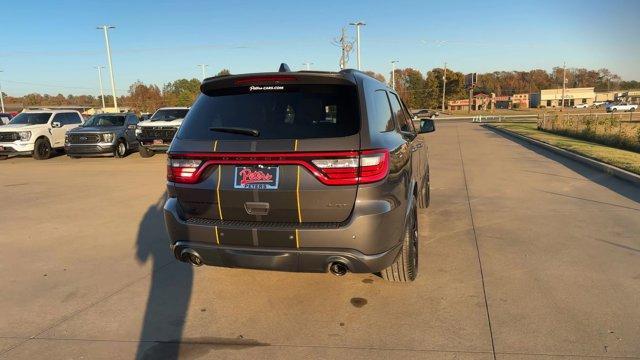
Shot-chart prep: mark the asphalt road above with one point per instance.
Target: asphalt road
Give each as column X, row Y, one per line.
column 523, row 255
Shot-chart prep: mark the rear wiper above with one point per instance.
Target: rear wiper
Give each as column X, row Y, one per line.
column 237, row 130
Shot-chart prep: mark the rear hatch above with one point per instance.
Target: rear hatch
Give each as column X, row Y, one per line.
column 270, row 149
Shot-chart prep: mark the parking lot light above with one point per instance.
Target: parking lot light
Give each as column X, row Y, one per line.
column 105, row 29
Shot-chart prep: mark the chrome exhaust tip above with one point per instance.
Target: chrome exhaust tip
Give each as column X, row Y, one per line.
column 191, row 257
column 338, row 268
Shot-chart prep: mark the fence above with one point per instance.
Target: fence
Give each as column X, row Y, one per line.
column 617, row 130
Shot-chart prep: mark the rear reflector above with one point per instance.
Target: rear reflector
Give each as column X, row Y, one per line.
column 330, row 168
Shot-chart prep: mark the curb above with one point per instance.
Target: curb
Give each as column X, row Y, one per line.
column 598, row 165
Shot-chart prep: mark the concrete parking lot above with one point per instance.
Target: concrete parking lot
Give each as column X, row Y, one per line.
column 523, row 255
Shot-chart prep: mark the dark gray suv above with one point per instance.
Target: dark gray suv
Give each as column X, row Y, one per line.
column 103, row 135
column 298, row 171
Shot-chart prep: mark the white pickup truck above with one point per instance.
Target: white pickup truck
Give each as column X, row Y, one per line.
column 37, row 133
column 622, row 107
column 155, row 134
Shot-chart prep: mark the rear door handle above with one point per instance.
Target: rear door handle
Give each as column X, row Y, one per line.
column 256, row 208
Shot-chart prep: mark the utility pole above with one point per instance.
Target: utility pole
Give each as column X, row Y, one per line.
column 106, row 28
column 1, row 96
column 307, row 65
column 100, row 82
column 564, row 83
column 203, row 66
column 357, row 24
column 393, row 74
column 444, row 85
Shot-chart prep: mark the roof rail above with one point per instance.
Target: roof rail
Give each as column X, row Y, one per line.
column 284, row 68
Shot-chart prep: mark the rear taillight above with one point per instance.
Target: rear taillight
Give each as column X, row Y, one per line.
column 183, row 170
column 330, row 168
column 360, row 168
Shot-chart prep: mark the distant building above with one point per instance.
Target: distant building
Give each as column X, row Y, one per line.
column 520, row 101
column 551, row 98
column 632, row 96
column 606, row 96
column 490, row 102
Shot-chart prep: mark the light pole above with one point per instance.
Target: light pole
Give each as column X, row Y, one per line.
column 393, row 74
column 100, row 82
column 444, row 84
column 564, row 83
column 307, row 65
column 1, row 96
column 203, row 66
column 105, row 28
column 357, row 24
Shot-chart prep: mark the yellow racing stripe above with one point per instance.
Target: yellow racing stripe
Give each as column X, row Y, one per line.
column 218, row 192
column 217, row 237
column 215, row 146
column 295, row 148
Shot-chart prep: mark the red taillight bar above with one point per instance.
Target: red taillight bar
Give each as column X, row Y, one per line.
column 328, row 176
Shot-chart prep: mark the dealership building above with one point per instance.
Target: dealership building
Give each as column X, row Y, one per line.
column 551, row 98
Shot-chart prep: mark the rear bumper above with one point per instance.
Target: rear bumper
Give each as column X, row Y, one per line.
column 299, row 260
column 367, row 243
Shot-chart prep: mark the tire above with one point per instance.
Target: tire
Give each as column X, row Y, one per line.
column 614, row 110
column 4, row 157
column 144, row 152
column 425, row 197
column 632, row 109
column 74, row 157
column 120, row 150
column 42, row 149
column 405, row 267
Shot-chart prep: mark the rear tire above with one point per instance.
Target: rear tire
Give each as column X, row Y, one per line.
column 405, row 267
column 144, row 152
column 42, row 149
column 120, row 149
column 425, row 197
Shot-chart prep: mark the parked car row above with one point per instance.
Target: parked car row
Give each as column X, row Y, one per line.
column 39, row 133
column 609, row 106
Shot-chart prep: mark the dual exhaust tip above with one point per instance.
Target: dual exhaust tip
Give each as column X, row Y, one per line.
column 337, row 268
column 191, row 257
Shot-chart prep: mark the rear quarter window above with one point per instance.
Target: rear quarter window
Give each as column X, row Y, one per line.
column 293, row 112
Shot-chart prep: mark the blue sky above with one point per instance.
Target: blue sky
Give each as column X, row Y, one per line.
column 52, row 46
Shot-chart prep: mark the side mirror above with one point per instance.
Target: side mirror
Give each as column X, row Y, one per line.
column 427, row 126
column 56, row 124
column 131, row 126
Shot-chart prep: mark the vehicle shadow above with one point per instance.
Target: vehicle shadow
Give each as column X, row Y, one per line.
column 619, row 186
column 170, row 290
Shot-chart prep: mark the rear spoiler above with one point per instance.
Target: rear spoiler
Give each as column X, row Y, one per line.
column 276, row 78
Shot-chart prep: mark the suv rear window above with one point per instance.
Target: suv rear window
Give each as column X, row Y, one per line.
column 292, row 112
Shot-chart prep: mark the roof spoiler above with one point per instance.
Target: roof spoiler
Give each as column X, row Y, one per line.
column 284, row 68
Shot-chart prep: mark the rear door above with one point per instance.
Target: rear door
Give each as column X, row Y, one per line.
column 406, row 126
column 271, row 175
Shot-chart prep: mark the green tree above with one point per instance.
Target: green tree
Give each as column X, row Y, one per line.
column 224, row 72
column 181, row 92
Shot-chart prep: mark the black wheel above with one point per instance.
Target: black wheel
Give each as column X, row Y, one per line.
column 405, row 267
column 614, row 110
column 42, row 149
column 4, row 157
column 120, row 150
column 144, row 152
column 425, row 196
column 632, row 109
